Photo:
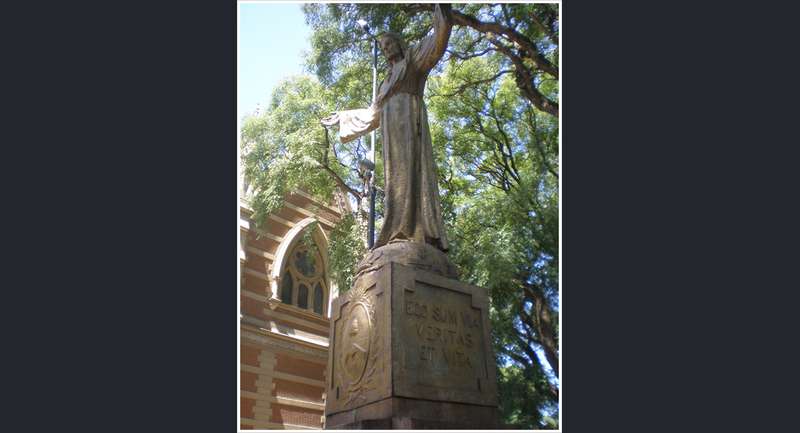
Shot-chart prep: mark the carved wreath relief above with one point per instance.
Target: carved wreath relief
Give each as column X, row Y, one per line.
column 357, row 359
column 355, row 339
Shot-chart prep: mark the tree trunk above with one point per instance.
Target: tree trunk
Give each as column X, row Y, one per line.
column 542, row 321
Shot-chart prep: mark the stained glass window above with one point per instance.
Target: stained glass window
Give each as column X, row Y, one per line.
column 318, row 299
column 286, row 288
column 304, row 262
column 304, row 270
column 302, row 296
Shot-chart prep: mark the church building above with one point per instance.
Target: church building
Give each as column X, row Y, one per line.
column 285, row 299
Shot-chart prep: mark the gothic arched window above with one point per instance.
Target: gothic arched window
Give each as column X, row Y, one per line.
column 304, row 282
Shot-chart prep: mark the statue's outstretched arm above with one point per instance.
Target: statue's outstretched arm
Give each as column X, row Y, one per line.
column 354, row 123
column 432, row 47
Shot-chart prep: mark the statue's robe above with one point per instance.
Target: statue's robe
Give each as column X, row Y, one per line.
column 412, row 207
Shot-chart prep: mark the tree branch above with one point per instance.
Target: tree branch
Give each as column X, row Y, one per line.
column 485, row 27
column 505, row 14
column 511, row 34
column 341, row 182
column 532, row 121
column 500, row 161
column 464, row 86
column 336, row 178
column 525, row 81
column 507, row 157
column 527, row 365
column 526, row 49
column 465, row 56
column 550, row 34
column 543, row 324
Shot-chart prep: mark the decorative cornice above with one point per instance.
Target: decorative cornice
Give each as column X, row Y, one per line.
column 268, row 338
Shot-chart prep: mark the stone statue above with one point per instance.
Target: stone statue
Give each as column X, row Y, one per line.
column 410, row 344
column 412, row 207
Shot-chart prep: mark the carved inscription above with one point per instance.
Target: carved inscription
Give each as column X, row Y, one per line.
column 449, row 331
column 445, row 335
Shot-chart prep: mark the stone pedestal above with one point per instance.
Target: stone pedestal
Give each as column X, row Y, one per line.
column 410, row 349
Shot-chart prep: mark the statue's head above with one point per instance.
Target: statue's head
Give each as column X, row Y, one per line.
column 392, row 46
column 354, row 329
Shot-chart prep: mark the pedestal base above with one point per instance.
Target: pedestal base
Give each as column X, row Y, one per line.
column 410, row 349
column 410, row 414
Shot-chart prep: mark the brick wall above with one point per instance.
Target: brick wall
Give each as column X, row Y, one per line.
column 246, row 407
column 295, row 415
column 249, row 355
column 248, row 381
column 300, row 367
column 298, row 391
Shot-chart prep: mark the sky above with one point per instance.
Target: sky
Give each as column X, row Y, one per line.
column 272, row 39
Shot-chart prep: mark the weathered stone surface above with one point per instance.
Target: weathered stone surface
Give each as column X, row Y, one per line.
column 413, row 254
column 410, row 414
column 412, row 209
column 411, row 349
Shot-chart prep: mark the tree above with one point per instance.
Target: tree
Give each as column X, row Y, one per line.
column 526, row 36
column 286, row 149
column 490, row 134
column 493, row 106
